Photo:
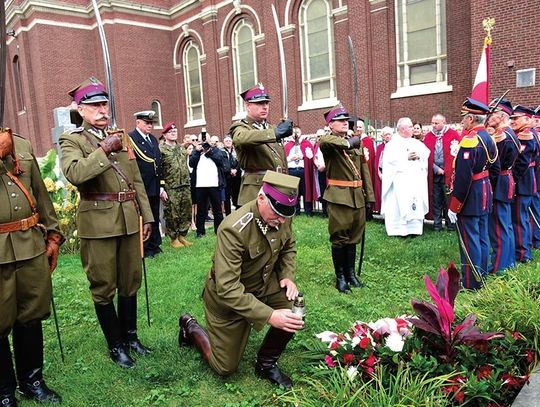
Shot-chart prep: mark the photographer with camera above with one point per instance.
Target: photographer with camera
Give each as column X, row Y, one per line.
column 208, row 162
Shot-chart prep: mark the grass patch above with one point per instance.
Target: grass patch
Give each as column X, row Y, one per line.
column 393, row 270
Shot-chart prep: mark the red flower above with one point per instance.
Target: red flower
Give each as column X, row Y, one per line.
column 329, row 361
column 348, row 358
column 334, row 345
column 364, row 343
column 516, row 335
column 484, row 371
column 530, row 356
column 371, row 360
column 510, row 380
column 459, row 397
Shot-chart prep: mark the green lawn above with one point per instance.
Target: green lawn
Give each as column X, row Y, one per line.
column 393, row 270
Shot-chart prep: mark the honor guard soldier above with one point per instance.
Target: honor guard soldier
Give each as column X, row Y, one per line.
column 501, row 232
column 108, row 218
column 146, row 149
column 535, row 206
column 525, row 177
column 29, row 239
column 257, row 143
column 472, row 196
column 177, row 195
column 251, row 284
column 348, row 192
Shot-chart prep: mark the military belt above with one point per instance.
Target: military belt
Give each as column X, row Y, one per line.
column 343, row 183
column 259, row 171
column 20, row 225
column 480, row 175
column 505, row 172
column 109, row 196
column 532, row 164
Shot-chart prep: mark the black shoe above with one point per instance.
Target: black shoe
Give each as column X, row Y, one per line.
column 8, row 400
column 119, row 356
column 137, row 347
column 39, row 391
column 275, row 375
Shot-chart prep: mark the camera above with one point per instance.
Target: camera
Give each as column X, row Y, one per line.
column 203, row 135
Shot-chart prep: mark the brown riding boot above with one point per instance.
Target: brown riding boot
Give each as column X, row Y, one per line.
column 176, row 244
column 184, row 241
column 191, row 333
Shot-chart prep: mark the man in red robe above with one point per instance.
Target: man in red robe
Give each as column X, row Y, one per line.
column 443, row 142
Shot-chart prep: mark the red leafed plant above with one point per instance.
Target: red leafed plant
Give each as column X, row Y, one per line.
column 438, row 318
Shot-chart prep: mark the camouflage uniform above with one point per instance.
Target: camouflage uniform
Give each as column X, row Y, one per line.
column 177, row 185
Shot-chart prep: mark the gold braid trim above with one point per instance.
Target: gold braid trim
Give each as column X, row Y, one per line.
column 490, row 160
column 141, row 155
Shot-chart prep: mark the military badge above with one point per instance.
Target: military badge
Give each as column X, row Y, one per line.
column 454, row 148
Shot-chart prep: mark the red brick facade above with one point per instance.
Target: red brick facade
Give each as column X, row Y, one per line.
column 58, row 46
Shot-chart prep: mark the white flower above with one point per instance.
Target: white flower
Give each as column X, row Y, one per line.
column 352, row 372
column 384, row 326
column 395, row 342
column 327, row 336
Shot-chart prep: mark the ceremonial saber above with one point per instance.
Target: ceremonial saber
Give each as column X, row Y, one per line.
column 354, row 74
column 144, row 271
column 282, row 65
column 477, row 276
column 534, row 218
column 57, row 328
column 3, row 57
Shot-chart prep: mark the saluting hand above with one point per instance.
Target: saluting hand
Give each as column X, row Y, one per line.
column 147, row 231
column 285, row 319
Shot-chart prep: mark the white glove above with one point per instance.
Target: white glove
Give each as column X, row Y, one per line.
column 452, row 216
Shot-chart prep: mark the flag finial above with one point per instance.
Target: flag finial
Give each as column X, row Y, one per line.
column 488, row 24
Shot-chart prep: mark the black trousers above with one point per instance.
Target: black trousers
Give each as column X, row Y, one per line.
column 299, row 172
column 440, row 209
column 232, row 190
column 204, row 196
column 151, row 246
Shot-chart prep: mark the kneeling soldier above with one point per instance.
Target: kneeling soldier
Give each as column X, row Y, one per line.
column 251, row 284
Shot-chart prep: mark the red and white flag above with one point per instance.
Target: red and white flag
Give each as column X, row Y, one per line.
column 480, row 90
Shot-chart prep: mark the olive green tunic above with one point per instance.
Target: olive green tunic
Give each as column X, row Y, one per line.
column 25, row 280
column 176, row 182
column 242, row 288
column 346, row 205
column 257, row 151
column 110, row 250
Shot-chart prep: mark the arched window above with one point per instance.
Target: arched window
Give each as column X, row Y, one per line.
column 192, row 83
column 19, row 100
column 421, row 42
column 156, row 107
column 316, row 45
column 244, row 60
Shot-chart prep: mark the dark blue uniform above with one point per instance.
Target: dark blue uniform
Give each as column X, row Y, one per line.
column 535, row 206
column 149, row 162
column 501, row 233
column 526, row 189
column 472, row 200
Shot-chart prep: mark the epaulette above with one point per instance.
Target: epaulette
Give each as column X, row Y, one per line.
column 241, row 223
column 469, row 141
column 525, row 135
column 77, row 130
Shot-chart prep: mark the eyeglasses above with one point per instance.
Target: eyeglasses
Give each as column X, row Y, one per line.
column 193, row 139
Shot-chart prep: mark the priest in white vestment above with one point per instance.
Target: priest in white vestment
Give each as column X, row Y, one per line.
column 404, row 182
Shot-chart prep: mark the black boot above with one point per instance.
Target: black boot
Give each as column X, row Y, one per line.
column 273, row 345
column 127, row 314
column 28, row 349
column 7, row 378
column 350, row 264
column 338, row 257
column 108, row 320
column 191, row 333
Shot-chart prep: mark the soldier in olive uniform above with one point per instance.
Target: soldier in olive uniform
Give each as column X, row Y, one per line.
column 251, row 284
column 177, row 196
column 113, row 199
column 29, row 240
column 257, row 143
column 348, row 193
